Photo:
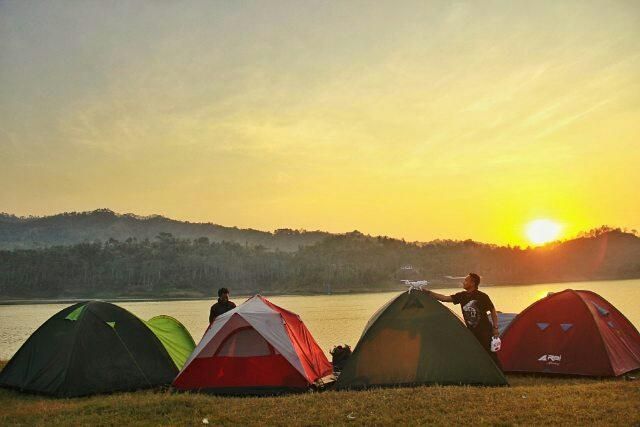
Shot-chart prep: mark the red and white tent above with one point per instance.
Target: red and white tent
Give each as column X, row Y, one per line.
column 256, row 347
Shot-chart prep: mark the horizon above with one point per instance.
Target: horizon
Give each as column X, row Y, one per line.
column 514, row 123
column 580, row 234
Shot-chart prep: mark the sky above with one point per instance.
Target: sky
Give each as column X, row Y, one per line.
column 418, row 120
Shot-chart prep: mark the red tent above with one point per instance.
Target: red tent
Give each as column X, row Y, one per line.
column 256, row 347
column 571, row 332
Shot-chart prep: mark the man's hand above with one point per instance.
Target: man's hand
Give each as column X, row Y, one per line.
column 496, row 332
column 439, row 297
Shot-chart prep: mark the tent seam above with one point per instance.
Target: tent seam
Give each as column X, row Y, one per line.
column 600, row 338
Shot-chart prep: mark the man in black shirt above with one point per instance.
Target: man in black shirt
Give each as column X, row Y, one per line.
column 222, row 306
column 475, row 305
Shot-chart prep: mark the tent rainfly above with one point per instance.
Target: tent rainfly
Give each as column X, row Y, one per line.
column 571, row 332
column 413, row 340
column 255, row 348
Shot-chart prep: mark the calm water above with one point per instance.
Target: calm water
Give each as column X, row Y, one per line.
column 332, row 319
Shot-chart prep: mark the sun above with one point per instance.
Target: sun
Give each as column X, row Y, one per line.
column 542, row 231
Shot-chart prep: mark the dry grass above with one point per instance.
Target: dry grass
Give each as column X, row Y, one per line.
column 529, row 401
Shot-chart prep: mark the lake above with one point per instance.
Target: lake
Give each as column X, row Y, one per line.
column 332, row 319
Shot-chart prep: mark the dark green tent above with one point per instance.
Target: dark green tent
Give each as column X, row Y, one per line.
column 89, row 348
column 413, row 340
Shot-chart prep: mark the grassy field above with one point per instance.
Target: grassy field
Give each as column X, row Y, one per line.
column 528, row 401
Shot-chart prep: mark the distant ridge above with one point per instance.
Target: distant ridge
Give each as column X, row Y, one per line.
column 103, row 224
column 105, row 255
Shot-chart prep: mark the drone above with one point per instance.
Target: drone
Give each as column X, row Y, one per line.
column 418, row 284
column 415, row 284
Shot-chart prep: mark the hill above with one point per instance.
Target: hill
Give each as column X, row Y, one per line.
column 104, row 224
column 168, row 266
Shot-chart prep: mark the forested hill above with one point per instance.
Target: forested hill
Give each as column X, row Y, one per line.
column 104, row 224
column 167, row 266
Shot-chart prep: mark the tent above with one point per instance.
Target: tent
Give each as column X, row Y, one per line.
column 414, row 339
column 174, row 337
column 255, row 348
column 88, row 348
column 571, row 332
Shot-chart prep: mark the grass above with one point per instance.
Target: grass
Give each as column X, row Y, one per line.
column 528, row 401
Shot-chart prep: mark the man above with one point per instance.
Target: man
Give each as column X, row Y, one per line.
column 475, row 305
column 222, row 306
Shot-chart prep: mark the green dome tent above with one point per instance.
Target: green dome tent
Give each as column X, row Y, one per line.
column 414, row 340
column 93, row 347
column 174, row 337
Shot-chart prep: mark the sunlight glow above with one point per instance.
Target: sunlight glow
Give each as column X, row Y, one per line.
column 542, row 231
column 317, row 116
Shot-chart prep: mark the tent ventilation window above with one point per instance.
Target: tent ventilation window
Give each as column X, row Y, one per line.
column 413, row 303
column 543, row 326
column 566, row 326
column 601, row 310
column 75, row 314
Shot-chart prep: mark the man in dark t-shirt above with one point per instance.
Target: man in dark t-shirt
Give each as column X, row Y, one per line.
column 475, row 305
column 222, row 306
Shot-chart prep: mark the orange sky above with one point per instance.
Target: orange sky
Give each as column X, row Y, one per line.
column 418, row 120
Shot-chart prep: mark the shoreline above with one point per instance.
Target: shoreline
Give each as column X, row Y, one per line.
column 244, row 293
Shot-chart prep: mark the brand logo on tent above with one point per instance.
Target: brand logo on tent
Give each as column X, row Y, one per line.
column 550, row 359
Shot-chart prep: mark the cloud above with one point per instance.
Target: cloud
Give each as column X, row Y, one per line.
column 400, row 98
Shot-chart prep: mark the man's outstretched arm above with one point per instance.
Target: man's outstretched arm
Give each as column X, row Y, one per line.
column 494, row 320
column 439, row 297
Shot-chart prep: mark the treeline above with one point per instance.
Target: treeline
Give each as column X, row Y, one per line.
column 170, row 266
